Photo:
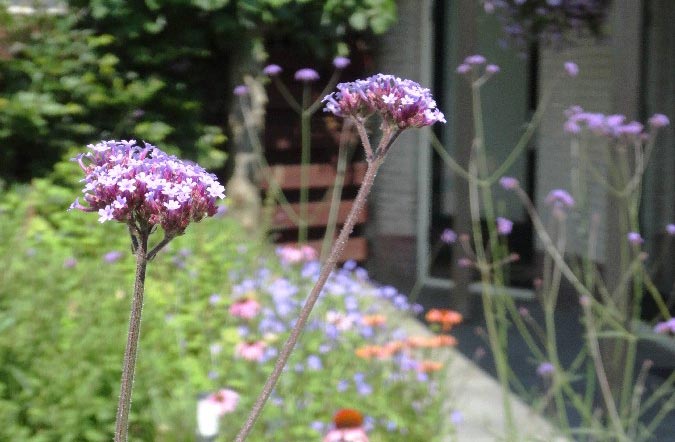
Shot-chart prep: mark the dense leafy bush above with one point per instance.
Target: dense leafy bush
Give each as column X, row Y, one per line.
column 159, row 71
column 64, row 87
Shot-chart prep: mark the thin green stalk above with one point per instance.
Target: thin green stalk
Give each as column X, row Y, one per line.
column 336, row 194
column 551, row 333
column 605, row 389
column 497, row 337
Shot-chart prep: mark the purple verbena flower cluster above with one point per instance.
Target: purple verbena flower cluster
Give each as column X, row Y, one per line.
column 400, row 102
column 474, row 64
column 547, row 21
column 612, row 126
column 128, row 182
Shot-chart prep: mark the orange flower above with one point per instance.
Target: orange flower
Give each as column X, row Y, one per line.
column 428, row 366
column 366, row 352
column 431, row 341
column 434, row 315
column 348, row 418
column 446, row 341
column 374, row 320
column 447, row 318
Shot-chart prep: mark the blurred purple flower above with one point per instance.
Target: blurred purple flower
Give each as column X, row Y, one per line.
column 559, row 198
column 545, row 369
column 571, row 68
column 508, row 183
column 456, row 417
column 349, row 265
column 272, row 70
column 341, row 62
column 464, row 263
column 504, row 226
column 314, row 363
column 492, row 69
column 69, row 263
column 112, row 256
column 666, row 327
column 659, row 120
column 474, row 60
column 670, row 229
column 635, row 238
column 463, row 69
column 240, row 90
column 342, row 385
column 306, row 75
column 448, row 236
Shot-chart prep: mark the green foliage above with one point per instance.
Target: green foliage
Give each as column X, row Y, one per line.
column 64, row 87
column 64, row 313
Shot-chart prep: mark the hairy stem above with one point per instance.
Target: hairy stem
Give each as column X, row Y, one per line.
column 126, row 385
column 336, row 252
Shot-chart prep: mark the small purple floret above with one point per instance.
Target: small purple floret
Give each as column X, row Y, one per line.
column 559, row 198
column 571, row 68
column 240, row 90
column 545, row 369
column 474, row 60
column 272, row 70
column 504, row 226
column 449, row 236
column 635, row 238
column 306, row 74
column 659, row 120
column 112, row 256
column 463, row 69
column 508, row 183
column 341, row 62
column 492, row 69
column 670, row 229
column 666, row 327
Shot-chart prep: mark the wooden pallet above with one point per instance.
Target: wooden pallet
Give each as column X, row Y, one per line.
column 321, row 177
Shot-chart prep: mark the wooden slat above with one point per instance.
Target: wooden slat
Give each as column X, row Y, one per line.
column 317, row 213
column 356, row 249
column 320, row 175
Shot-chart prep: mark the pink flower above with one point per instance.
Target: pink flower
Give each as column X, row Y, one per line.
column 251, row 351
column 666, row 327
column 245, row 308
column 346, row 435
column 293, row 255
column 224, row 400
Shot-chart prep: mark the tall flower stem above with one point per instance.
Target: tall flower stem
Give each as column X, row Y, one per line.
column 335, row 254
column 305, row 128
column 141, row 234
